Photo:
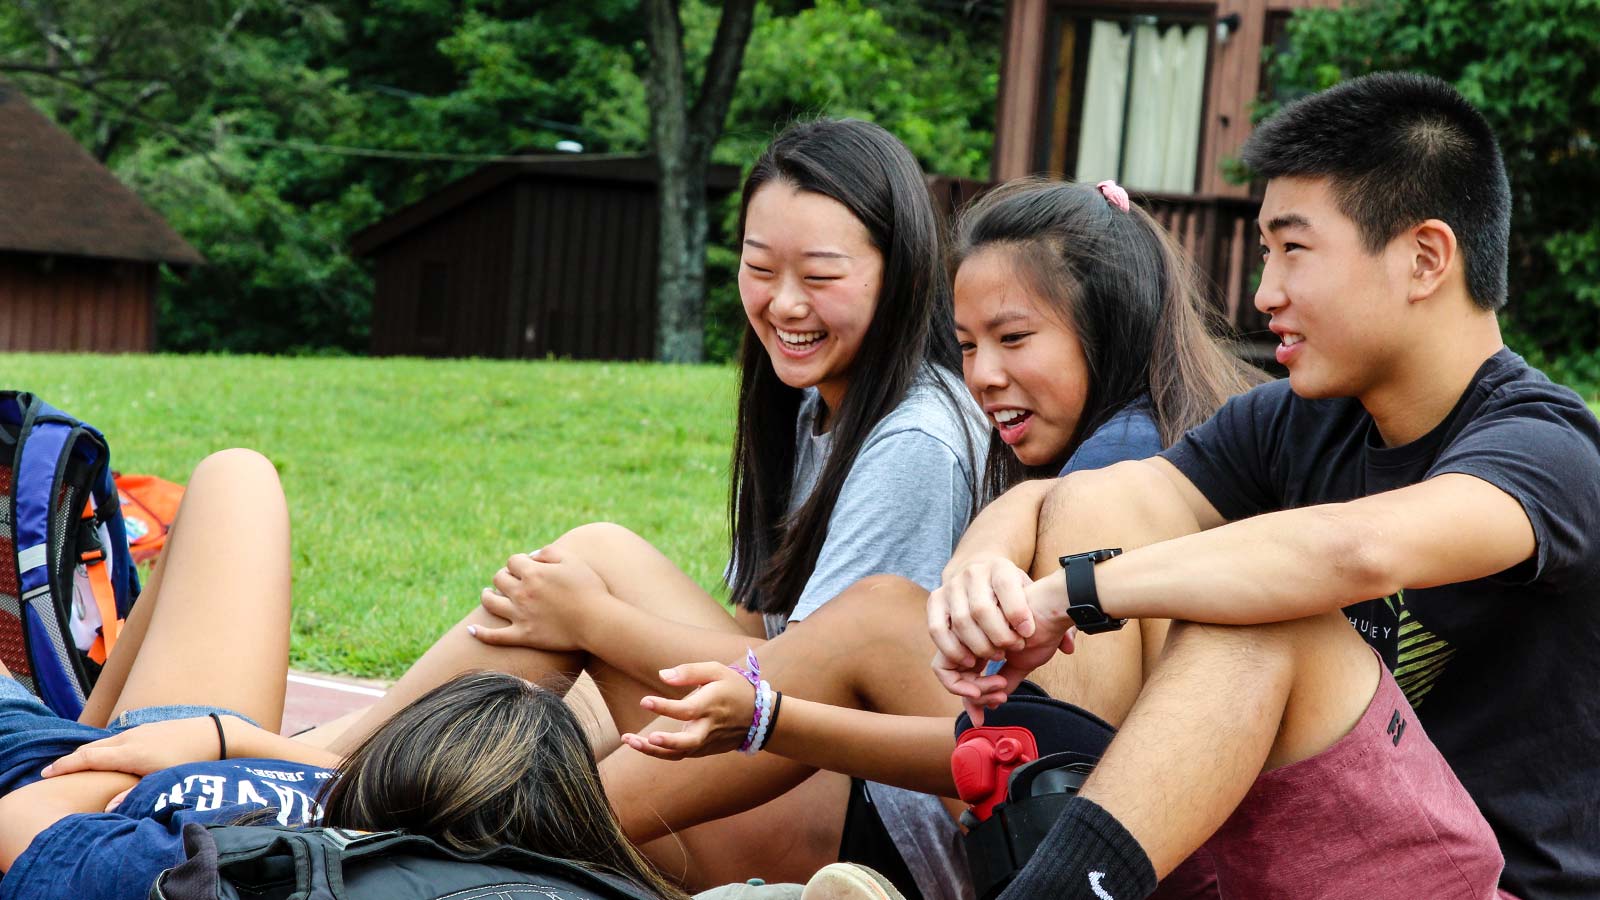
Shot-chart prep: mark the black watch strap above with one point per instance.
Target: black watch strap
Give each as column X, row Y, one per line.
column 1082, row 597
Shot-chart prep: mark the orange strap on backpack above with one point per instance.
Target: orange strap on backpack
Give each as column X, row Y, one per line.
column 105, row 598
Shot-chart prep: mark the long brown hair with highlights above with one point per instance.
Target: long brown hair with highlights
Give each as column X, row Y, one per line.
column 484, row 760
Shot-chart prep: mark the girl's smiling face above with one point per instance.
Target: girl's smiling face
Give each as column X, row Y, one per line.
column 1021, row 360
column 809, row 278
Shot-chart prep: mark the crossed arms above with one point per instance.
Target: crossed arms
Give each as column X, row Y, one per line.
column 1267, row 568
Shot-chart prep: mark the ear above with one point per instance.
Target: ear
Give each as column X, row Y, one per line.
column 1435, row 259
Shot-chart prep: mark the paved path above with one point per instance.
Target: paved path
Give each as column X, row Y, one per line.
column 313, row 698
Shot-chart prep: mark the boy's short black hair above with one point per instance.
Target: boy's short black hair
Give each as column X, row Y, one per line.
column 1400, row 148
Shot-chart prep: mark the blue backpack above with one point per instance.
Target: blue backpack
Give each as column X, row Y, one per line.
column 67, row 580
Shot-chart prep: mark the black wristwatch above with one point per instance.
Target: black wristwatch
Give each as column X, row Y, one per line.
column 1082, row 598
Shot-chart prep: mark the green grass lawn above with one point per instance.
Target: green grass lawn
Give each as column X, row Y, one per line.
column 410, row 481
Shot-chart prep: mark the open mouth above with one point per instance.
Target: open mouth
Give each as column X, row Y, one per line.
column 800, row 341
column 1288, row 347
column 1012, row 423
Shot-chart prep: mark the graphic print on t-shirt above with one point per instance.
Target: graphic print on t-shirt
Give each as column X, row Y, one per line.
column 1415, row 655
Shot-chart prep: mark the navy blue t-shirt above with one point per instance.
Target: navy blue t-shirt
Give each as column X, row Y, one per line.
column 117, row 855
column 1130, row 434
column 1501, row 670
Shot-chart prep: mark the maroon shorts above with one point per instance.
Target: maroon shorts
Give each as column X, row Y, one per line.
column 1378, row 815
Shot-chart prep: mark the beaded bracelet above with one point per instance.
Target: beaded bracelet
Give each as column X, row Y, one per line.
column 758, row 736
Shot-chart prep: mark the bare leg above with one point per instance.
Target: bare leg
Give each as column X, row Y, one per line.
column 213, row 625
column 1224, row 704
column 867, row 648
column 634, row 572
column 1087, row 512
column 1215, row 705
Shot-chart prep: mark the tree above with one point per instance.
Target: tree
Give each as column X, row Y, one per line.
column 683, row 138
column 247, row 123
column 929, row 74
column 1531, row 67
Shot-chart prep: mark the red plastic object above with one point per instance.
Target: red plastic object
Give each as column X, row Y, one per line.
column 983, row 761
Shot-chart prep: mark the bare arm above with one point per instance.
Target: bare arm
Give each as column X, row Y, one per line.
column 1301, row 562
column 27, row 811
column 641, row 643
column 911, row 752
column 162, row 745
column 988, row 608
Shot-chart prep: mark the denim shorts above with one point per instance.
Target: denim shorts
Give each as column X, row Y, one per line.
column 32, row 736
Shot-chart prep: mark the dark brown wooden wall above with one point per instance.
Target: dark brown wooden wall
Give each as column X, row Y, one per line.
column 468, row 250
column 70, row 304
column 538, row 267
column 588, row 279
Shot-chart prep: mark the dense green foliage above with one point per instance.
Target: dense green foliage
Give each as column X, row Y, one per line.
column 1533, row 67
column 233, row 118
column 410, row 481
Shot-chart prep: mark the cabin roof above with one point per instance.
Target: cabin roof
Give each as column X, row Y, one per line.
column 632, row 169
column 58, row 199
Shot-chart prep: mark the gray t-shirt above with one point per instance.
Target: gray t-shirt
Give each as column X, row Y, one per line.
column 906, row 501
column 901, row 510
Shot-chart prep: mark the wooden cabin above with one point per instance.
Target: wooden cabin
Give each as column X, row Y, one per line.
column 1156, row 94
column 79, row 251
column 552, row 255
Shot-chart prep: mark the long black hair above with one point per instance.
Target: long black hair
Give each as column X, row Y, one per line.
column 1131, row 296
column 873, row 175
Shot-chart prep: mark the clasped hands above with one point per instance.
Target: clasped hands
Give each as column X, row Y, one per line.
column 989, row 611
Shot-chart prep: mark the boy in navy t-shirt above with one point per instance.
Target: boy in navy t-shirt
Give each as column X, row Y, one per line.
column 1412, row 478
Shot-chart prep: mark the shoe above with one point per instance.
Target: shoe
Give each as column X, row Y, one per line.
column 849, row 881
column 754, row 889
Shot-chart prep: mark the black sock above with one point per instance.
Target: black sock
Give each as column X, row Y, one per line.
column 1087, row 855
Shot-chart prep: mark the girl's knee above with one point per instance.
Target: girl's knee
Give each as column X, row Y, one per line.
column 234, row 463
column 875, row 595
column 597, row 540
column 228, row 472
column 874, row 607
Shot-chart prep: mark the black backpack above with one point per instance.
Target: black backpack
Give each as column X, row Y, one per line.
column 266, row 862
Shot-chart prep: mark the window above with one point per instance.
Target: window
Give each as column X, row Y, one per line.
column 1126, row 97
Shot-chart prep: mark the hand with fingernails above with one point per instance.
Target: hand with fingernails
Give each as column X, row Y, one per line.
column 545, row 597
column 716, row 714
column 986, row 612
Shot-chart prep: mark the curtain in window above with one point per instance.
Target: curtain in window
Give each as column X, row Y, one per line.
column 1163, row 121
column 1100, row 130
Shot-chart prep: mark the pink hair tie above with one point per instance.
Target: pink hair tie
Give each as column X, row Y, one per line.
column 1114, row 194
